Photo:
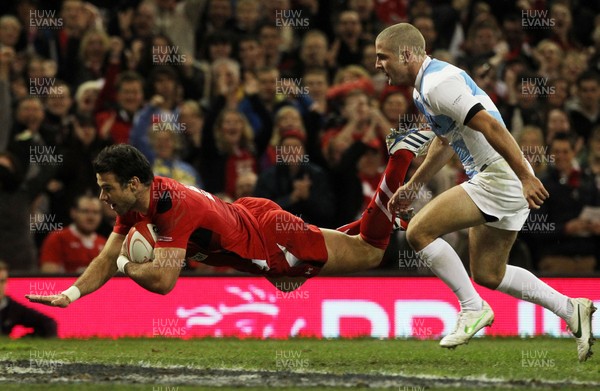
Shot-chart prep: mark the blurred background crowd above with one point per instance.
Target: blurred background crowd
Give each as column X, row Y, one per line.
column 281, row 99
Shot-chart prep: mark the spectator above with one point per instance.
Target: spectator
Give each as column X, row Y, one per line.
column 115, row 123
column 348, row 46
column 251, row 53
column 271, row 43
column 260, row 98
column 72, row 249
column 370, row 23
column 426, row 26
column 561, row 29
column 313, row 53
column 585, row 110
column 227, row 151
column 191, row 120
column 76, row 174
column 10, row 30
column 57, row 119
column 245, row 185
column 523, row 106
column 559, row 94
column 298, row 186
column 557, row 121
column 14, row 313
column 247, row 17
column 549, row 57
column 359, row 118
column 86, row 96
column 156, row 133
column 535, row 149
column 568, row 243
column 574, row 65
column 178, row 20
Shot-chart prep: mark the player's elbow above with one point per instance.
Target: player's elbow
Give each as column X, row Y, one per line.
column 161, row 286
column 165, row 287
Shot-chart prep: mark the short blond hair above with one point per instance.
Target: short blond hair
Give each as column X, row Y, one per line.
column 403, row 36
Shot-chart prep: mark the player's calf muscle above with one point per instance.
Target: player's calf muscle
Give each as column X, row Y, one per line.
column 347, row 254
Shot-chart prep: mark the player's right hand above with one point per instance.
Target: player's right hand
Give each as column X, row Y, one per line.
column 53, row 300
column 534, row 191
column 402, row 199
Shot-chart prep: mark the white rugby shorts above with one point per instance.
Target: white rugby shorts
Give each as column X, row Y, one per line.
column 498, row 192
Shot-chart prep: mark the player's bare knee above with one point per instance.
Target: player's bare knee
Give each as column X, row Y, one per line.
column 374, row 259
column 487, row 279
column 417, row 237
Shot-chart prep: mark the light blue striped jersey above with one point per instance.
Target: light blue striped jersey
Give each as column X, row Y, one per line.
column 445, row 94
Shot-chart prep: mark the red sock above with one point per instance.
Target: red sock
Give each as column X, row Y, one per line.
column 377, row 222
column 352, row 228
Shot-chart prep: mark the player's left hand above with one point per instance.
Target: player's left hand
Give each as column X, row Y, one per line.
column 53, row 300
column 534, row 191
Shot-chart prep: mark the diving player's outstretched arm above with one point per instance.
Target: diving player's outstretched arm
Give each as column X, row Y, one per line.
column 100, row 270
column 160, row 275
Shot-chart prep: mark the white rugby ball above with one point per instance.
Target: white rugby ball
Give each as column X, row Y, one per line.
column 140, row 242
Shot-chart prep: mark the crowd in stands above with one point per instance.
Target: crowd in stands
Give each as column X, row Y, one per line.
column 281, row 99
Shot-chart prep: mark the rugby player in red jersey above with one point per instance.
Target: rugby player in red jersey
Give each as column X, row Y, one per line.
column 247, row 234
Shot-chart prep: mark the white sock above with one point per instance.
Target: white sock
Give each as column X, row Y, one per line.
column 522, row 284
column 446, row 264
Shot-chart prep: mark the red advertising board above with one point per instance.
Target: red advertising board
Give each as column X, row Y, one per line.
column 381, row 307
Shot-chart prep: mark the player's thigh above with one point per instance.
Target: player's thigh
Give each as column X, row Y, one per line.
column 451, row 211
column 348, row 254
column 489, row 248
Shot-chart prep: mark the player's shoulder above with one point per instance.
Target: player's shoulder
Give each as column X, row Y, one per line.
column 438, row 74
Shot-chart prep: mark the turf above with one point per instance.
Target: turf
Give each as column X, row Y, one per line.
column 508, row 359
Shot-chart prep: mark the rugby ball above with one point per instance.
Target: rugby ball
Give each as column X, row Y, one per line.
column 139, row 242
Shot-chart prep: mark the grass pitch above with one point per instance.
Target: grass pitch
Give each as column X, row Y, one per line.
column 162, row 364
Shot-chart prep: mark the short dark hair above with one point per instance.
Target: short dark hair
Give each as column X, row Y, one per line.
column 563, row 136
column 125, row 162
column 586, row 76
column 127, row 77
